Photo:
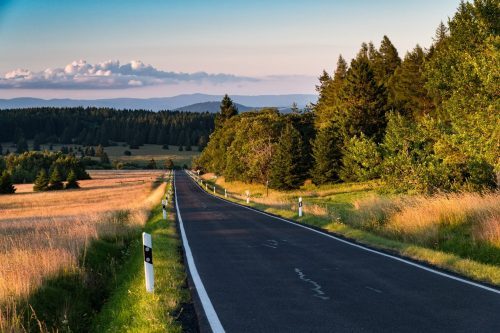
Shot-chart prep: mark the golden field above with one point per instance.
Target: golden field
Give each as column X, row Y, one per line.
column 44, row 233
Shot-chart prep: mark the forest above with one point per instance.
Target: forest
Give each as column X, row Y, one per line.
column 425, row 123
column 94, row 126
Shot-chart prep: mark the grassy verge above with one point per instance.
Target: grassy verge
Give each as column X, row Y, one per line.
column 130, row 308
column 372, row 226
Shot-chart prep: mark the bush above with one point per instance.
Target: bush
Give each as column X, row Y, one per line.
column 72, row 181
column 165, row 146
column 181, row 148
column 127, row 153
column 361, row 160
column 6, row 186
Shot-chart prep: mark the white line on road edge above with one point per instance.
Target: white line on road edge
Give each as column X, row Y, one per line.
column 456, row 278
column 212, row 317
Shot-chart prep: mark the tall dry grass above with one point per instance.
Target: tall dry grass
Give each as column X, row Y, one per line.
column 44, row 233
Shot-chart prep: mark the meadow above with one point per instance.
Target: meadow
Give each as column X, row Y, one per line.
column 46, row 234
column 458, row 232
column 139, row 156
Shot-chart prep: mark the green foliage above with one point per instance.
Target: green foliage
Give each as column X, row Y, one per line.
column 104, row 158
column 287, row 164
column 71, row 181
column 151, row 164
column 327, row 155
column 56, row 180
column 6, row 185
column 41, row 181
column 361, row 160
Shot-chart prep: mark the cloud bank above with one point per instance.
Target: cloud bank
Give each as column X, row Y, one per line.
column 108, row 75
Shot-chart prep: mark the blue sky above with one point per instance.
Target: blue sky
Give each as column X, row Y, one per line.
column 259, row 46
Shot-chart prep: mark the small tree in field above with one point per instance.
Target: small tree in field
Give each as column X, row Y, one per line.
column 72, row 181
column 56, row 181
column 6, row 186
column 41, row 182
column 169, row 164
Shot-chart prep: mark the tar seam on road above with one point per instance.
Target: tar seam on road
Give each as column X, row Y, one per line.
column 456, row 278
column 212, row 317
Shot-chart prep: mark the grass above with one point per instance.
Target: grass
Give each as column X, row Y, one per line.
column 52, row 246
column 457, row 232
column 139, row 156
column 130, row 308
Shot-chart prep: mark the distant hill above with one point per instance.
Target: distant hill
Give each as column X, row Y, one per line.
column 163, row 103
column 212, row 107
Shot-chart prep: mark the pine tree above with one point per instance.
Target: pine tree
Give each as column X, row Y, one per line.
column 286, row 169
column 151, row 164
column 104, row 158
column 56, row 181
column 36, row 142
column 1, row 150
column 169, row 164
column 327, row 156
column 6, row 185
column 385, row 61
column 362, row 102
column 227, row 110
column 181, row 148
column 71, row 180
column 99, row 152
column 41, row 182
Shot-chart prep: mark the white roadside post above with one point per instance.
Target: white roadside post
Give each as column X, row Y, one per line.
column 248, row 196
column 225, row 193
column 214, row 189
column 300, row 206
column 148, row 262
column 164, row 206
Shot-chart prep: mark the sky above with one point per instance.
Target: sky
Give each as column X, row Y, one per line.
column 153, row 48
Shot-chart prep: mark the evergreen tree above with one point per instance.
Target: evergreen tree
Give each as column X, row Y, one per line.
column 169, row 164
column 104, row 158
column 1, row 150
column 181, row 148
column 56, row 180
column 407, row 92
column 363, row 102
column 71, row 180
column 227, row 110
column 286, row 169
column 385, row 61
column 165, row 146
column 6, row 185
column 99, row 151
column 22, row 146
column 189, row 148
column 41, row 181
column 327, row 155
column 329, row 90
column 151, row 164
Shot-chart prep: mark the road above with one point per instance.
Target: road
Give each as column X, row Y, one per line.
column 257, row 273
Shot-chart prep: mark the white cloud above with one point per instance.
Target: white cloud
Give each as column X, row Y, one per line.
column 108, row 75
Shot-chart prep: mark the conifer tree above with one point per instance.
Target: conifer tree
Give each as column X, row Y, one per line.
column 327, row 156
column 1, row 150
column 363, row 102
column 104, row 158
column 36, row 142
column 169, row 164
column 385, row 61
column 286, row 170
column 151, row 164
column 71, row 180
column 56, row 181
column 227, row 110
column 6, row 185
column 41, row 181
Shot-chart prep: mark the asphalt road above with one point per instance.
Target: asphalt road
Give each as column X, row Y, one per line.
column 256, row 273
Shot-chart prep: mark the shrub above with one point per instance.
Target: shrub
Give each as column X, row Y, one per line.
column 6, row 186
column 41, row 182
column 72, row 181
column 361, row 160
column 127, row 153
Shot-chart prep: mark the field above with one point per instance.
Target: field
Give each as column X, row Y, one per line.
column 140, row 156
column 459, row 232
column 45, row 234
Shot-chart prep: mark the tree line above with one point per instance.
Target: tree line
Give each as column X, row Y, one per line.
column 428, row 122
column 94, row 126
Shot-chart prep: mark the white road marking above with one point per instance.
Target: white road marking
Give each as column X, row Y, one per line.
column 317, row 288
column 428, row 269
column 212, row 317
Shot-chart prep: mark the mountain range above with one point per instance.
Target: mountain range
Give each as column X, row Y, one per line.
column 186, row 102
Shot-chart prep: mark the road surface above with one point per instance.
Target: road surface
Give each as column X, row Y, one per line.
column 257, row 273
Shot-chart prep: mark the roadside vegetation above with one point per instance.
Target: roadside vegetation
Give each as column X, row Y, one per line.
column 60, row 252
